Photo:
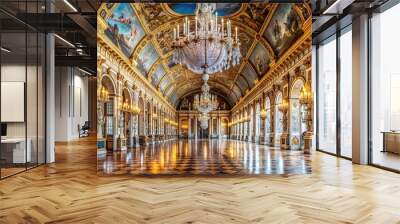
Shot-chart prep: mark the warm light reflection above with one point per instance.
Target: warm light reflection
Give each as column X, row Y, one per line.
column 205, row 157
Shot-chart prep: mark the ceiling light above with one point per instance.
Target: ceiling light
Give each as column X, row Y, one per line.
column 64, row 40
column 84, row 71
column 70, row 5
column 5, row 50
column 337, row 7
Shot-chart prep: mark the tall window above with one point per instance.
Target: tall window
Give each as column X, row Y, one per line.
column 22, row 87
column 385, row 87
column 346, row 93
column 327, row 95
column 278, row 119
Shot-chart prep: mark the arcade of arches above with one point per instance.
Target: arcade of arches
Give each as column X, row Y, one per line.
column 258, row 99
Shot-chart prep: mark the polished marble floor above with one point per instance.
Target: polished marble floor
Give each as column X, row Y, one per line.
column 204, row 157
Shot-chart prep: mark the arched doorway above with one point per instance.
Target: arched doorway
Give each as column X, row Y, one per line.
column 148, row 119
column 278, row 119
column 125, row 103
column 297, row 127
column 257, row 123
column 184, row 128
column 267, row 124
column 141, row 117
column 224, row 129
column 251, row 125
column 109, row 127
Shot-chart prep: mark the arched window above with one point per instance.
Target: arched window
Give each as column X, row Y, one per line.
column 296, row 125
column 278, row 119
column 267, row 127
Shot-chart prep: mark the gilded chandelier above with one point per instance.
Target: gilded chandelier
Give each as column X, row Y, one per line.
column 205, row 102
column 208, row 48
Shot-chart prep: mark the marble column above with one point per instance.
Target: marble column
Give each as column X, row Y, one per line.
column 189, row 127
column 195, row 127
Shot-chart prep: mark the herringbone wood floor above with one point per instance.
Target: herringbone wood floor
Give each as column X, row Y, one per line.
column 70, row 191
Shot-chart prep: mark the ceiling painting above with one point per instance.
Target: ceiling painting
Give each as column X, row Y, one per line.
column 164, row 83
column 260, row 59
column 236, row 90
column 124, row 28
column 242, row 83
column 284, row 28
column 249, row 74
column 223, row 9
column 147, row 56
column 145, row 30
column 158, row 74
column 154, row 15
column 255, row 15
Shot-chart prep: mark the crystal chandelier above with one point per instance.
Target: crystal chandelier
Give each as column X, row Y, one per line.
column 210, row 47
column 205, row 102
column 204, row 121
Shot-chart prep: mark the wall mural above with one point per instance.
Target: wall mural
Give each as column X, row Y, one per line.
column 158, row 74
column 260, row 59
column 124, row 28
column 283, row 29
column 249, row 73
column 147, row 56
column 223, row 9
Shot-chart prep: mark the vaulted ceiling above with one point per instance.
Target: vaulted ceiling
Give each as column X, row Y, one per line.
column 266, row 32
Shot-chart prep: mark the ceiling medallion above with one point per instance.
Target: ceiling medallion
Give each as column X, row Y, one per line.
column 208, row 48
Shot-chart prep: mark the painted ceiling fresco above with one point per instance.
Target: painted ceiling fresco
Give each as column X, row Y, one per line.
column 260, row 59
column 124, row 29
column 284, row 28
column 147, row 56
column 223, row 9
column 143, row 32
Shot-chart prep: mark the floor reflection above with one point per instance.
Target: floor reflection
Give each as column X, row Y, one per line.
column 205, row 157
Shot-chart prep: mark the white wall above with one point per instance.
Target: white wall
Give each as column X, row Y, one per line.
column 71, row 103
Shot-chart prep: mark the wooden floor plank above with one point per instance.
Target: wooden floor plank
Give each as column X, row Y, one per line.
column 70, row 191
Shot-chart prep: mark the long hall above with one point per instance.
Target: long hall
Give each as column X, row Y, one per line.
column 277, row 111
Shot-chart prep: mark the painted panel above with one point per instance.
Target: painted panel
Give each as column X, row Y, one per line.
column 164, row 83
column 249, row 73
column 242, row 83
column 260, row 59
column 223, row 9
column 237, row 91
column 147, row 56
column 124, row 28
column 158, row 74
column 284, row 28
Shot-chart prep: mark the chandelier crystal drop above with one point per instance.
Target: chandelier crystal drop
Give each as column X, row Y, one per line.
column 209, row 46
column 205, row 102
column 204, row 121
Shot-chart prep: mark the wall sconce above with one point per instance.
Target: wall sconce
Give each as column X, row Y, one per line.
column 102, row 94
column 283, row 107
column 306, row 95
column 125, row 106
column 135, row 110
column 263, row 114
